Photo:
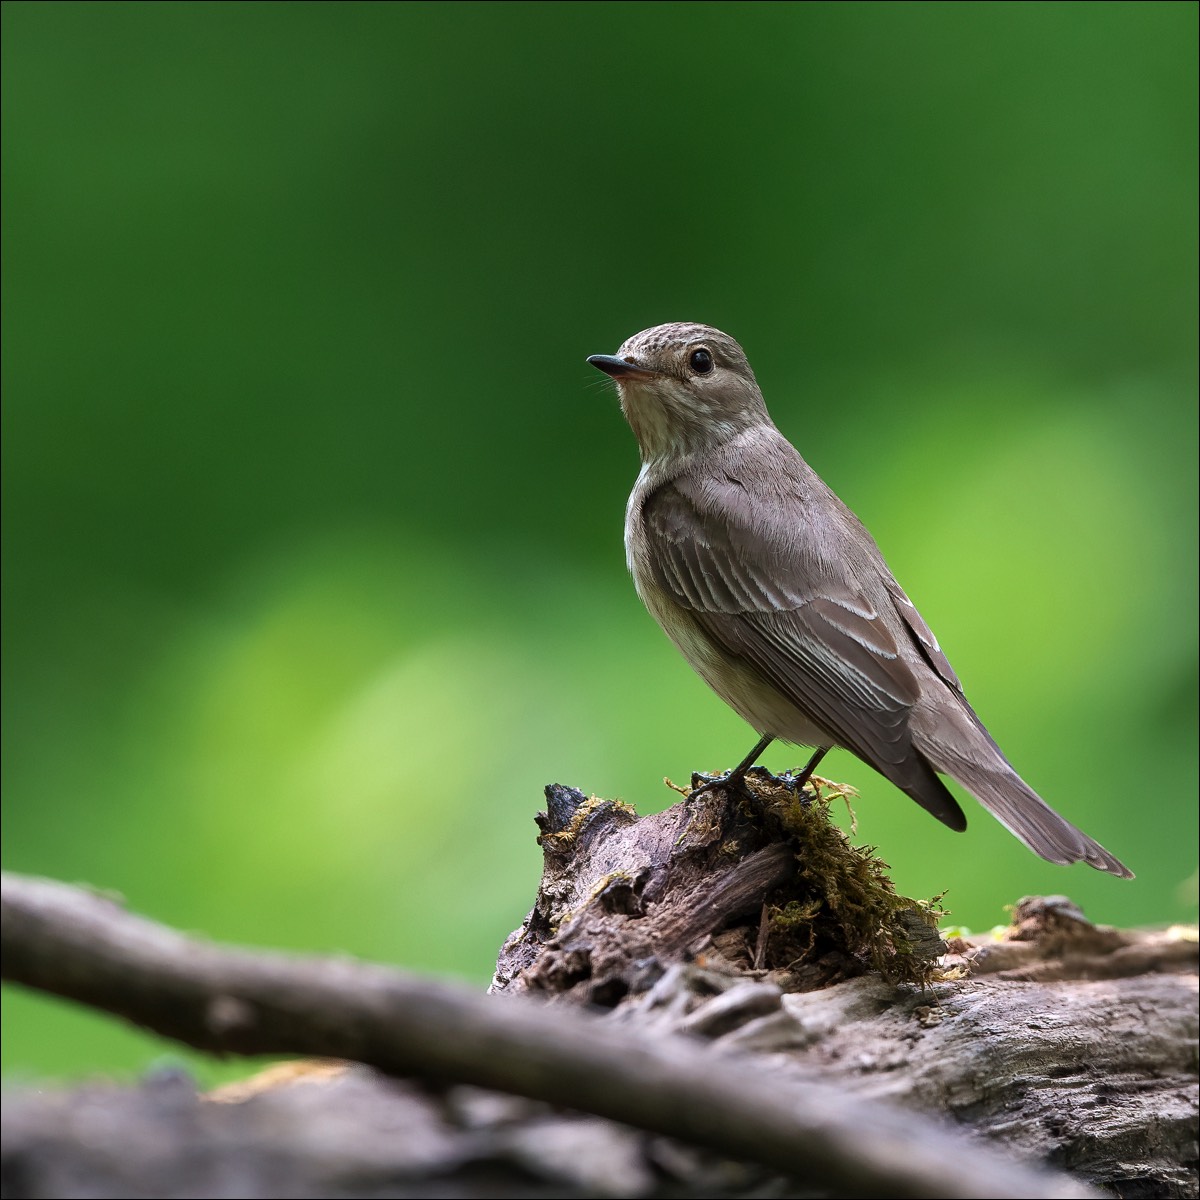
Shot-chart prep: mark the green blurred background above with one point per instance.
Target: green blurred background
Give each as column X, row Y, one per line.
column 313, row 509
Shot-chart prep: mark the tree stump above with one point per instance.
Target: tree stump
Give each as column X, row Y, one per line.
column 724, row 999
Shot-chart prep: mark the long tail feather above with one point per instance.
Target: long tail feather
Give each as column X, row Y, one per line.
column 1023, row 812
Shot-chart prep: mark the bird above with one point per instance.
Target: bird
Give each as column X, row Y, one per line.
column 779, row 598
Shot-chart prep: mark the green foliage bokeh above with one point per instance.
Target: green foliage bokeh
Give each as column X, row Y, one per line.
column 313, row 510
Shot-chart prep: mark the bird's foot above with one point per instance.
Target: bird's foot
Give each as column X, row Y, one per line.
column 805, row 784
column 731, row 781
column 739, row 781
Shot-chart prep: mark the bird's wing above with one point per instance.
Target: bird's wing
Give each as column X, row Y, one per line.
column 922, row 635
column 754, row 578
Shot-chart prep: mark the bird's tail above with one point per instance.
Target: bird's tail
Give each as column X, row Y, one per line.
column 977, row 763
column 1023, row 812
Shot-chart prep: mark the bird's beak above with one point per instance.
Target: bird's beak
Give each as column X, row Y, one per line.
column 618, row 368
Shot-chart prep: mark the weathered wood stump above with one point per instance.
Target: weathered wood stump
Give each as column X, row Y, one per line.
column 775, row 1021
column 754, row 880
column 749, row 919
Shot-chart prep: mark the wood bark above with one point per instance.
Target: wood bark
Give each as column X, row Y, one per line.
column 758, row 1038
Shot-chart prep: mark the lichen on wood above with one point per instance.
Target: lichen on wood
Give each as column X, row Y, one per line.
column 756, row 878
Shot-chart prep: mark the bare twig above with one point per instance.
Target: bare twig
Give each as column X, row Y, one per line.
column 85, row 947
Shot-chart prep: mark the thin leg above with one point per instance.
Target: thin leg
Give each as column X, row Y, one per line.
column 735, row 776
column 800, row 780
column 751, row 758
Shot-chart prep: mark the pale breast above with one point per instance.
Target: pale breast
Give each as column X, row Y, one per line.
column 755, row 700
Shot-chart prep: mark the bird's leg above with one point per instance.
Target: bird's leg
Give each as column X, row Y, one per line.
column 740, row 770
column 735, row 777
column 798, row 781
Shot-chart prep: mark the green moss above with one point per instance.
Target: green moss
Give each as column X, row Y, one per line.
column 583, row 814
column 842, row 898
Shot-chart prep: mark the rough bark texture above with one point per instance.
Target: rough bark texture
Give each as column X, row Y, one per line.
column 1071, row 1043
column 759, row 884
column 737, row 942
column 756, row 880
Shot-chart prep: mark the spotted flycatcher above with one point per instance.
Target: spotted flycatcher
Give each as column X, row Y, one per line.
column 781, row 601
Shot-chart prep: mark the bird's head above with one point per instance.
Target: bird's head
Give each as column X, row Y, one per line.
column 684, row 388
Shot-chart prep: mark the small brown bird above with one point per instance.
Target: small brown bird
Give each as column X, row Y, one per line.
column 781, row 601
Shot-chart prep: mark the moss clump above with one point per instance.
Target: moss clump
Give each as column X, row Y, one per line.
column 589, row 811
column 842, row 899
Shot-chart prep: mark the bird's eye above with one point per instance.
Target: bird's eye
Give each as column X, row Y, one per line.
column 700, row 361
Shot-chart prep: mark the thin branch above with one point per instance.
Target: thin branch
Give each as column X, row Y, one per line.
column 85, row 947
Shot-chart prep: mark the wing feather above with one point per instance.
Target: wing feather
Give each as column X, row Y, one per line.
column 806, row 629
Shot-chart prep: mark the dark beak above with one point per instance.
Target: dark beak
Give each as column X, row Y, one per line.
column 617, row 368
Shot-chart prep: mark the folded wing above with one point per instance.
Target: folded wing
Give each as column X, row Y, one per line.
column 761, row 592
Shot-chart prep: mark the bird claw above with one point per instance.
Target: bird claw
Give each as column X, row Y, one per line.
column 738, row 781
column 705, row 783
